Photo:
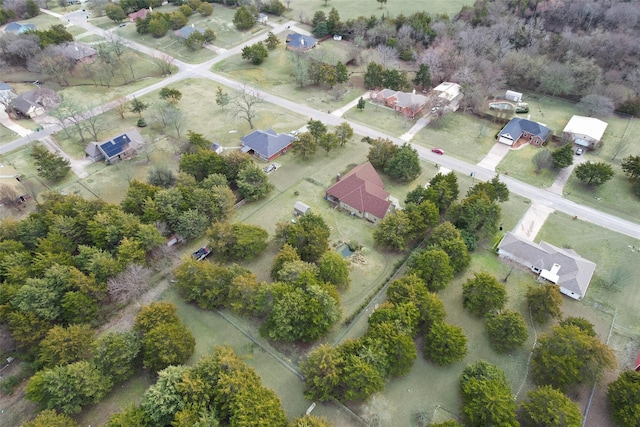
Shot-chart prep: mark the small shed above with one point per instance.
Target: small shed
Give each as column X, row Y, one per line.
column 219, row 149
column 514, row 96
column 263, row 18
column 300, row 208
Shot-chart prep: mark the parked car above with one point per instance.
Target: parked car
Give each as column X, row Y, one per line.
column 122, row 25
column 579, row 151
column 437, row 150
column 201, row 253
column 269, row 168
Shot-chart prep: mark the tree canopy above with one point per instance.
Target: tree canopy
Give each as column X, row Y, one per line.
column 507, row 330
column 483, row 294
column 623, row 397
column 548, row 407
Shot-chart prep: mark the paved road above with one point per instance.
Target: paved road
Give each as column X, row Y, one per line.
column 202, row 70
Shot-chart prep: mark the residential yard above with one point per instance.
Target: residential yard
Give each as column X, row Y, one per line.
column 275, row 75
column 303, row 10
column 381, row 118
column 460, row 135
column 519, row 165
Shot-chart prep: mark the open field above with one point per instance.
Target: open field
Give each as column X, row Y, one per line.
column 460, row 135
column 351, row 10
column 275, row 75
column 518, row 164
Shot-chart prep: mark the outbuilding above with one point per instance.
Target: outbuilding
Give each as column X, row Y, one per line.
column 300, row 208
column 514, row 96
column 585, row 131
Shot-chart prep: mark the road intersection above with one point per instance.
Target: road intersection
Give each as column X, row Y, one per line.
column 539, row 196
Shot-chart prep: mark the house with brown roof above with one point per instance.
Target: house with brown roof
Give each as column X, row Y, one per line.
column 34, row 102
column 140, row 14
column 562, row 267
column 408, row 103
column 79, row 52
column 362, row 193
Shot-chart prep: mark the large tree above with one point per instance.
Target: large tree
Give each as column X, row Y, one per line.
column 245, row 105
column 253, row 183
column 445, row 344
column 568, row 356
column 631, row 167
column 334, row 269
column 49, row 165
column 309, row 236
column 507, row 330
column 433, row 267
column 410, row 289
column 404, row 165
column 255, row 53
column 623, row 395
column 546, row 406
column 483, row 294
column 236, row 241
column 448, row 238
column 63, row 346
column 563, row 156
column 243, row 19
column 594, row 173
column 544, row 302
column 381, row 151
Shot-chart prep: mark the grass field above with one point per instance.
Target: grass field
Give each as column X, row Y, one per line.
column 381, row 118
column 460, row 135
column 351, row 9
column 518, row 163
column 275, row 75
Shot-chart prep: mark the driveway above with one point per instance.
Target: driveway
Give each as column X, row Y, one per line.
column 532, row 221
column 564, row 174
column 11, row 125
column 494, row 156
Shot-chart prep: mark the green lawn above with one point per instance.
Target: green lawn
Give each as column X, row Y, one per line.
column 460, row 135
column 351, row 9
column 381, row 118
column 275, row 75
column 518, row 164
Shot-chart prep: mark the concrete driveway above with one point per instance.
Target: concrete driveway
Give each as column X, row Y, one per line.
column 11, row 125
column 494, row 156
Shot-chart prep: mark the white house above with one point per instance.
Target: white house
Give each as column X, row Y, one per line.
column 585, row 131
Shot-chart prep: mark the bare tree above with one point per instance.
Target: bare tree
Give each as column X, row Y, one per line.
column 245, row 105
column 128, row 170
column 387, row 55
column 8, row 195
column 164, row 63
column 129, row 284
column 94, row 123
column 129, row 59
column 71, row 114
column 176, row 119
column 54, row 63
column 121, row 107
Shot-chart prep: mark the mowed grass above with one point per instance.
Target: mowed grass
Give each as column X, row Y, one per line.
column 610, row 251
column 276, row 75
column 381, row 118
column 352, row 9
column 460, row 135
column 519, row 164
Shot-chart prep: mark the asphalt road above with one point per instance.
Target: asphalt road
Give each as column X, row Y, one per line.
column 202, row 70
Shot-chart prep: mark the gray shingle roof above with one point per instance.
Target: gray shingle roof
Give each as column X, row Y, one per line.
column 266, row 143
column 575, row 272
column 516, row 126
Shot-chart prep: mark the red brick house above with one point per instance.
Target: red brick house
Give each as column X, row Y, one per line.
column 410, row 104
column 361, row 192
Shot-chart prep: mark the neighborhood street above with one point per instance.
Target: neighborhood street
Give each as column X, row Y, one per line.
column 543, row 197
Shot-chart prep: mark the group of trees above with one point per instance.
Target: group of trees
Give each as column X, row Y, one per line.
column 24, row 9
column 317, row 135
column 158, row 23
column 303, row 301
column 201, row 194
column 220, row 389
column 57, row 261
column 79, row 370
column 400, row 163
column 258, row 52
column 631, row 167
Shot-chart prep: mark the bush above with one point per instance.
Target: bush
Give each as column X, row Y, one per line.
column 142, row 123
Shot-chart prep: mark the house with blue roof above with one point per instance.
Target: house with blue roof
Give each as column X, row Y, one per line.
column 187, row 30
column 300, row 42
column 522, row 131
column 266, row 144
column 117, row 148
column 18, row 28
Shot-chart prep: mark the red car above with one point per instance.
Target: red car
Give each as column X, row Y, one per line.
column 437, row 150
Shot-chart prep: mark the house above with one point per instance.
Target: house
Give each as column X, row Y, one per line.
column 120, row 147
column 219, row 149
column 585, row 131
column 511, row 95
column 263, row 18
column 140, row 14
column 410, row 104
column 361, row 192
column 637, row 368
column 18, row 28
column 34, row 102
column 6, row 93
column 300, row 208
column 13, row 193
column 300, row 42
column 186, row 31
column 79, row 52
column 93, row 152
column 266, row 144
column 563, row 267
column 448, row 95
column 520, row 131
